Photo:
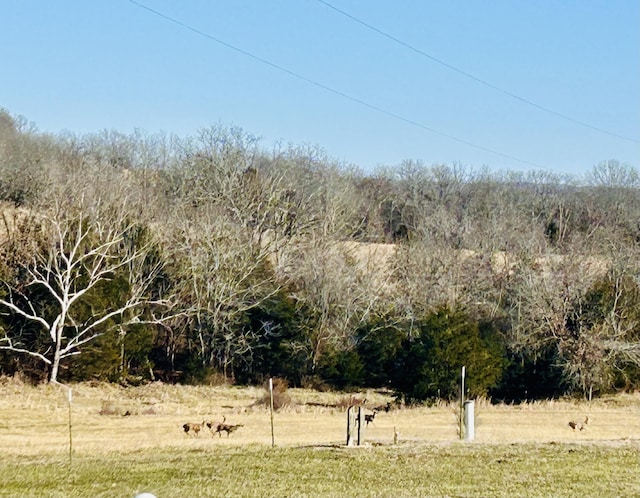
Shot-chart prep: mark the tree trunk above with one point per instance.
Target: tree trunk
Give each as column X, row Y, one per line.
column 58, row 328
column 55, row 365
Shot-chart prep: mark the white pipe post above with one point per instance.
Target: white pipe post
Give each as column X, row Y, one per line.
column 469, row 421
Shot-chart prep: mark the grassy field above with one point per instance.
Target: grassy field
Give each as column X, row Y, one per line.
column 525, row 450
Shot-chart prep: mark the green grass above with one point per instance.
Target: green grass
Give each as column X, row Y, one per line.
column 456, row 469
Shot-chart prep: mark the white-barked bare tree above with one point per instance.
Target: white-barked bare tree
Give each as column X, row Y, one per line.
column 82, row 247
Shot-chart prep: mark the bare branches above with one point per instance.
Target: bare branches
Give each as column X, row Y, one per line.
column 75, row 260
column 8, row 344
column 29, row 313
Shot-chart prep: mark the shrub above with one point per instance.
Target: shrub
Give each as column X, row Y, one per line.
column 378, row 346
column 527, row 378
column 281, row 397
column 428, row 366
column 342, row 369
column 276, row 345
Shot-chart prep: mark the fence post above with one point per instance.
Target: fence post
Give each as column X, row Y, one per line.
column 273, row 440
column 469, row 421
column 360, row 426
column 351, row 422
column 70, row 401
column 461, row 416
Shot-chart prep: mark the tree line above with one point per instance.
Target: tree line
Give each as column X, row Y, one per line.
column 134, row 257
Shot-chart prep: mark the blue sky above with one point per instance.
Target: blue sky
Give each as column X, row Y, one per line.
column 85, row 66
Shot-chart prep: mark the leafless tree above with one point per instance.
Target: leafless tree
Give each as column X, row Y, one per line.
column 613, row 173
column 80, row 249
column 339, row 281
column 221, row 273
column 340, row 285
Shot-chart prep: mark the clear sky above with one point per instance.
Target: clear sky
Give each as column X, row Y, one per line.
column 397, row 80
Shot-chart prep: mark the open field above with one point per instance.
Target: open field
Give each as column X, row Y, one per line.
column 526, row 450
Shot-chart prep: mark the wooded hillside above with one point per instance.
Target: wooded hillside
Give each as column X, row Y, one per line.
column 138, row 257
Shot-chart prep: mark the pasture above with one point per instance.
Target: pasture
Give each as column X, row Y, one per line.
column 126, row 441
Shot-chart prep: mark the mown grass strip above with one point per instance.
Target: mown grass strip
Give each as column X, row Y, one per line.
column 549, row 470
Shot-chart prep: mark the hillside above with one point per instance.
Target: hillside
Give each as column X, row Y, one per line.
column 200, row 258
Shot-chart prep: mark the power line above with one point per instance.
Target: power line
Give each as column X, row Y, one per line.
column 475, row 78
column 330, row 89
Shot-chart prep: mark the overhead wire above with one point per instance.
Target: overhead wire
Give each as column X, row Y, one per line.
column 328, row 88
column 472, row 77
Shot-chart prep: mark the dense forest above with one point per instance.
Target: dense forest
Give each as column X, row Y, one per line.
column 208, row 258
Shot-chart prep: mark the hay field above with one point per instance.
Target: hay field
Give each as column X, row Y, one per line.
column 528, row 445
column 35, row 419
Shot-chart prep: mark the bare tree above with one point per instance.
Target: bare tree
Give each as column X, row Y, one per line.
column 79, row 251
column 25, row 157
column 338, row 281
column 550, row 309
column 613, row 173
column 222, row 272
column 340, row 285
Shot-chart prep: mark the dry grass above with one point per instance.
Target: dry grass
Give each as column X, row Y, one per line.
column 105, row 417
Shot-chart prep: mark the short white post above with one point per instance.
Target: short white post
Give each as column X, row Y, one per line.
column 351, row 424
column 469, row 421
